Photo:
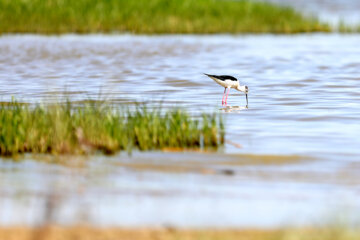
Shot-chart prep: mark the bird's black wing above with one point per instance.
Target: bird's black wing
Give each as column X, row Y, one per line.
column 222, row 77
column 227, row 77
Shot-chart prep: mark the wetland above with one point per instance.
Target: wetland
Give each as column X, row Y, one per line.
column 290, row 158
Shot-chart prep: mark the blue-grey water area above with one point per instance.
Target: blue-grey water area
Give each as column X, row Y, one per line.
column 291, row 158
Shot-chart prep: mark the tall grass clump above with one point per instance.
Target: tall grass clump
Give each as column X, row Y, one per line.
column 91, row 127
column 152, row 17
column 342, row 27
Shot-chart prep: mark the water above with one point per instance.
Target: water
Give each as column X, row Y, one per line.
column 304, row 91
column 304, row 105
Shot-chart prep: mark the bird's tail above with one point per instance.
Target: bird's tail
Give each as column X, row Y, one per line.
column 215, row 78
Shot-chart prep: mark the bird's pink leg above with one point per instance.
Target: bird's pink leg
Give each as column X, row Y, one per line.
column 227, row 97
column 222, row 101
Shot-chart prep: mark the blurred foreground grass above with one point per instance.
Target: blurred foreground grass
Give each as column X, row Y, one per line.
column 92, row 233
column 94, row 126
column 152, row 16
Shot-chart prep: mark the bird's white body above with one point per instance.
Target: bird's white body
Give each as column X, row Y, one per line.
column 226, row 83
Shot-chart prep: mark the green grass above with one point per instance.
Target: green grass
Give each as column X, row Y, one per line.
column 152, row 17
column 90, row 127
column 344, row 28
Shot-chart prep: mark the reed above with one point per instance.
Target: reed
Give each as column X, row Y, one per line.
column 152, row 17
column 344, row 28
column 94, row 126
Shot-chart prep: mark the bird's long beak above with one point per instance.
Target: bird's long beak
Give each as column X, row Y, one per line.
column 247, row 102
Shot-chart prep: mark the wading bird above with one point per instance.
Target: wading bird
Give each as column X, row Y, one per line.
column 229, row 82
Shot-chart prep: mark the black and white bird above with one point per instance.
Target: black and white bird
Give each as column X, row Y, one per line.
column 229, row 82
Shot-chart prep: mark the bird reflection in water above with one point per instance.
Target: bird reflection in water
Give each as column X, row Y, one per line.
column 234, row 108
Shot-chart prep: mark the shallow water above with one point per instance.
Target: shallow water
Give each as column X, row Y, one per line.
column 304, row 92
column 304, row 101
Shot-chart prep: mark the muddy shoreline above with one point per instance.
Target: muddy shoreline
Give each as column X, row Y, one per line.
column 94, row 233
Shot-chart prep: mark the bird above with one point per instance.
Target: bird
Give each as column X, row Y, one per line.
column 229, row 82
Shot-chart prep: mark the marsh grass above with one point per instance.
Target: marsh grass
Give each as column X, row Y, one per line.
column 95, row 126
column 342, row 27
column 152, row 17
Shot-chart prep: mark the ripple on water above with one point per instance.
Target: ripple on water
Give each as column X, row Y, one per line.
column 143, row 62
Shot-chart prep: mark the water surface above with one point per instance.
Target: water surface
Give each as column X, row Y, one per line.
column 304, row 106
